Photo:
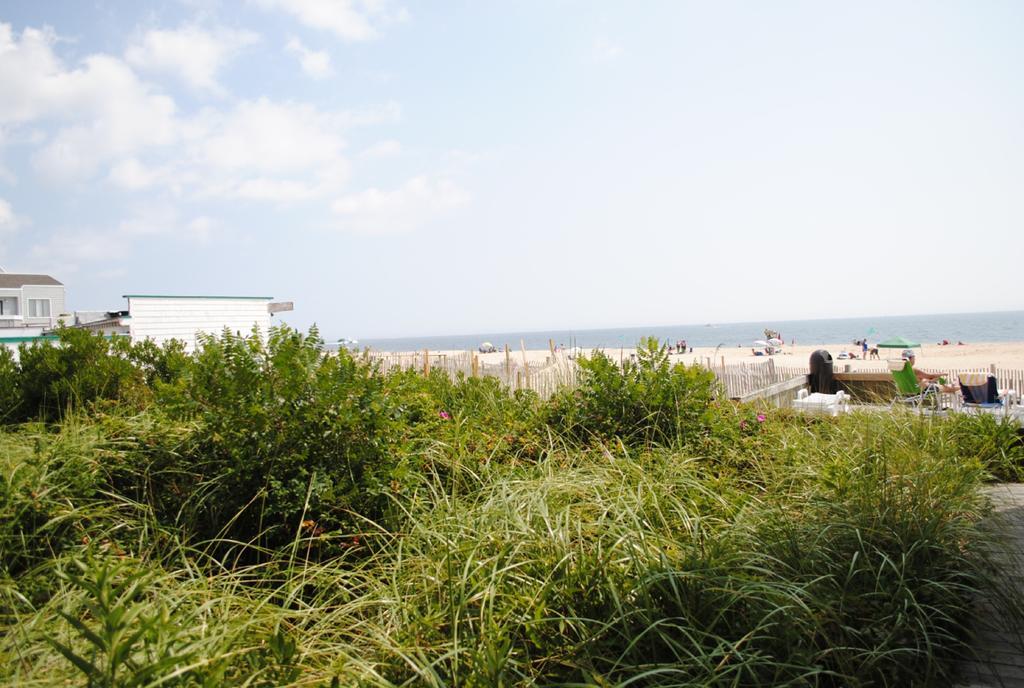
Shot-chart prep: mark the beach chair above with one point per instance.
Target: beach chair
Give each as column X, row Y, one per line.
column 908, row 389
column 832, row 404
column 981, row 392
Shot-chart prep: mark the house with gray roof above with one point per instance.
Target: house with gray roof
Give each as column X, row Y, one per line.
column 30, row 301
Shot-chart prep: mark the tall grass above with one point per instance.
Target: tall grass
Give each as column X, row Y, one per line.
column 261, row 514
column 794, row 552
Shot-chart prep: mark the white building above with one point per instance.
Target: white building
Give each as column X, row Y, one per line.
column 161, row 318
column 29, row 306
column 29, row 301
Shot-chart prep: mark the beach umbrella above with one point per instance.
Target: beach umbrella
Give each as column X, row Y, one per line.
column 761, row 342
column 898, row 343
column 775, row 341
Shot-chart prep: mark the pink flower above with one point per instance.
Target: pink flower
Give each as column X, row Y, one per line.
column 761, row 418
column 444, row 415
column 743, row 425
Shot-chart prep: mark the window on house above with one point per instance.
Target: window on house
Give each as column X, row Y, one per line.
column 39, row 308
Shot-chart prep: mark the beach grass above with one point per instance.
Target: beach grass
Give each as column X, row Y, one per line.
column 509, row 542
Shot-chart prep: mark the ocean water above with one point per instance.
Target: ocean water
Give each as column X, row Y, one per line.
column 927, row 329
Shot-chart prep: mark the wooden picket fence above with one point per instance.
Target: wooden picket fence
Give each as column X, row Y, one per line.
column 739, row 380
column 558, row 370
column 743, row 379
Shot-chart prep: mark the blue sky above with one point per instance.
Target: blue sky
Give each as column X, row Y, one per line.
column 406, row 168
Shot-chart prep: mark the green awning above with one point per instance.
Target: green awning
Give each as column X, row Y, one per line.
column 898, row 343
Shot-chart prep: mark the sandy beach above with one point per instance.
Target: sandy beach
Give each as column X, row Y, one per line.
column 973, row 356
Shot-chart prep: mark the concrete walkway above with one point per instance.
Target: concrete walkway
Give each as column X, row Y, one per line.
column 1000, row 661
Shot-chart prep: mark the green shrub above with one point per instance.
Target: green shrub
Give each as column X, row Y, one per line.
column 160, row 364
column 645, row 401
column 473, row 418
column 77, row 371
column 280, row 434
column 10, row 386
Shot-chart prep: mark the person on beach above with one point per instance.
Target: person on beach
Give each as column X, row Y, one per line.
column 864, row 348
column 928, row 380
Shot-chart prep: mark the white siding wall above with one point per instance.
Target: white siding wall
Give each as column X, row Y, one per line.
column 54, row 293
column 12, row 307
column 163, row 318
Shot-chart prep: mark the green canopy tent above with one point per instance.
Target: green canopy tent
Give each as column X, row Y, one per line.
column 899, row 343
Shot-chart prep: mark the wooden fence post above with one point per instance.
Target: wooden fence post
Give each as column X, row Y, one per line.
column 426, row 362
column 526, row 364
column 476, row 365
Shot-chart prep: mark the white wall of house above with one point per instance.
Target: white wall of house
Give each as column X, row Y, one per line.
column 162, row 318
column 31, row 305
column 10, row 309
column 42, row 304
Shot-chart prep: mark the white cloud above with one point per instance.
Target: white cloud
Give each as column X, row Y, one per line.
column 164, row 220
column 36, row 85
column 605, row 50
column 263, row 150
column 132, row 174
column 259, row 150
column 266, row 136
column 190, row 53
column 387, row 113
column 149, row 221
column 107, row 117
column 102, row 109
column 383, row 149
column 315, row 63
column 6, row 215
column 99, row 119
column 67, row 251
column 5, row 174
column 400, row 210
column 351, row 20
column 9, row 223
column 282, row 190
column 33, row 79
column 118, row 115
column 200, row 229
column 111, row 273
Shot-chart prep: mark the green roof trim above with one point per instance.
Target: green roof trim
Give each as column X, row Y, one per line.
column 194, row 296
column 18, row 340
